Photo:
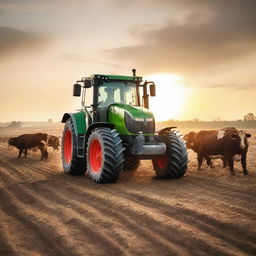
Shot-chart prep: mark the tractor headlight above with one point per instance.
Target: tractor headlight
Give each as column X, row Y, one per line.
column 138, row 119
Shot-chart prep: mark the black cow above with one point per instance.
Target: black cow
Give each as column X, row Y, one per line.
column 227, row 143
column 28, row 141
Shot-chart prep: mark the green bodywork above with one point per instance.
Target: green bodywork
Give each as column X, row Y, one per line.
column 117, row 112
column 116, row 116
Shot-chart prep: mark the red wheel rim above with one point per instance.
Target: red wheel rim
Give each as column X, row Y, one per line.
column 95, row 153
column 162, row 161
column 68, row 146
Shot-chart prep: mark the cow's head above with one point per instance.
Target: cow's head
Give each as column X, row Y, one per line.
column 190, row 140
column 54, row 142
column 12, row 141
column 243, row 137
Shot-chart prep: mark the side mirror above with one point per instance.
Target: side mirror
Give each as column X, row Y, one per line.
column 87, row 83
column 152, row 89
column 77, row 90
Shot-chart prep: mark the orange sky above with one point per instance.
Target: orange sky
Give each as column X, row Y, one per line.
column 210, row 46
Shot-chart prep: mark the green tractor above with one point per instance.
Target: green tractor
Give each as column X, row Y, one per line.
column 114, row 130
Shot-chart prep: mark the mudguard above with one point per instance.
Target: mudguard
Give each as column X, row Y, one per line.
column 98, row 125
column 165, row 129
column 81, row 123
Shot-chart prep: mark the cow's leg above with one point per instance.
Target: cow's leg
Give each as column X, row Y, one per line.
column 25, row 152
column 230, row 161
column 243, row 162
column 200, row 159
column 231, row 166
column 41, row 148
column 209, row 161
column 44, row 152
column 20, row 152
column 224, row 162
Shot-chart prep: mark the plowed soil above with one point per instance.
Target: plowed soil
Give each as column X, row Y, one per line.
column 46, row 212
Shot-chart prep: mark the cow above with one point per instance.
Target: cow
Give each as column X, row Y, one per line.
column 227, row 143
column 54, row 142
column 195, row 140
column 28, row 141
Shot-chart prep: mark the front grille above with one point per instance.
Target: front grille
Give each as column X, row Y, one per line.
column 139, row 126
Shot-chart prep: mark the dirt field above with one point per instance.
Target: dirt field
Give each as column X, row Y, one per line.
column 45, row 212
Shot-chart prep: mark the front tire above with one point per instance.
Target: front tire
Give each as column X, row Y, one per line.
column 104, row 155
column 174, row 163
column 71, row 163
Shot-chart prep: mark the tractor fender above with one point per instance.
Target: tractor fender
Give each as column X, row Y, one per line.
column 96, row 125
column 80, row 122
column 166, row 129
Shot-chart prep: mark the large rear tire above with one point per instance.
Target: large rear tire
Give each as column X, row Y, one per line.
column 104, row 155
column 71, row 163
column 131, row 163
column 174, row 163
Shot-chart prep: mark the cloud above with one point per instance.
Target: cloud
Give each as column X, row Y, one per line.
column 86, row 59
column 13, row 40
column 38, row 5
column 235, row 86
column 21, row 5
column 208, row 34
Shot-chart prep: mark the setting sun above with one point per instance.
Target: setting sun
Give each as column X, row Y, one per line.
column 170, row 96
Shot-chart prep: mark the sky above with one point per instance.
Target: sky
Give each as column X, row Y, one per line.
column 200, row 53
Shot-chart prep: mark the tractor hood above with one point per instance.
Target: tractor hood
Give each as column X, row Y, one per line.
column 131, row 119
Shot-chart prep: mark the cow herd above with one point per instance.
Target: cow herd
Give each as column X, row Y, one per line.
column 35, row 141
column 228, row 144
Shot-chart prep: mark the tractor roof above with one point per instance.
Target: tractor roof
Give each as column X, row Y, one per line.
column 117, row 77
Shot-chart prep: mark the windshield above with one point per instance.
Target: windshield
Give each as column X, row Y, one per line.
column 117, row 92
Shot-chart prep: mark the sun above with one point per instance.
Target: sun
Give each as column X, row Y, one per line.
column 170, row 96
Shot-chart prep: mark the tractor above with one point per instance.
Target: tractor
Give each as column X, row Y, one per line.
column 114, row 130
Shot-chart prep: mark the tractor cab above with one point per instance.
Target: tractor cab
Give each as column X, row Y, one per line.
column 108, row 90
column 122, row 92
column 116, row 92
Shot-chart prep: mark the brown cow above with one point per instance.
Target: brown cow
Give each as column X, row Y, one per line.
column 27, row 141
column 227, row 143
column 54, row 142
column 195, row 140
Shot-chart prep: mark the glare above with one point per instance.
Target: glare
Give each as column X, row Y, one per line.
column 170, row 96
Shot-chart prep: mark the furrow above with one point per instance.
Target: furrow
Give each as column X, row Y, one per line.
column 169, row 228
column 61, row 217
column 103, row 213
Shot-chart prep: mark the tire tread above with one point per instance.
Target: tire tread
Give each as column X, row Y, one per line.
column 178, row 157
